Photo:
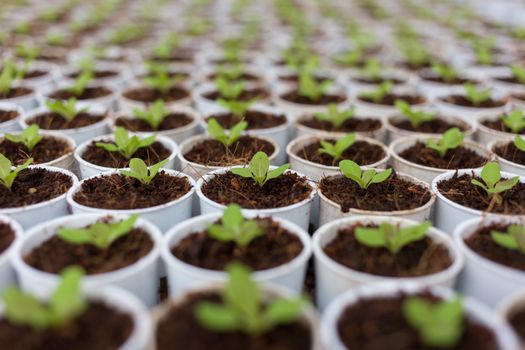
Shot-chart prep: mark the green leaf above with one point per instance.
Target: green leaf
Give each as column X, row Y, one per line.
column 67, row 300
column 505, row 240
column 451, row 139
column 379, row 92
column 519, row 143
column 216, row 317
column 514, row 121
column 518, row 72
column 126, row 145
column 390, row 236
column 475, row 96
column 491, row 174
column 415, row 117
column 7, row 174
column 371, row 237
column 66, row 109
column 309, row 87
column 364, row 179
column 139, row 170
column 259, row 165
column 283, row 311
column 24, row 309
column 81, row 82
column 272, row 174
column 29, row 137
column 154, row 115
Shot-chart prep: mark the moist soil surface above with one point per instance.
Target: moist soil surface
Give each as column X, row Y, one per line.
column 511, row 80
column 170, row 122
column 423, row 257
column 390, row 99
column 246, row 95
column 517, row 321
column 16, row 92
column 7, row 115
column 7, row 236
column 349, row 125
column 54, row 121
column 33, row 186
column 275, row 247
column 519, row 96
column 179, row 329
column 510, row 152
column 459, row 190
column 293, row 96
column 255, row 120
column 117, row 191
column 294, row 78
column 34, row 73
column 149, row 95
column 100, row 327
column 379, row 323
column 242, row 77
column 88, row 94
column 394, row 194
column 285, row 190
column 455, row 81
column 377, row 81
column 211, row 152
column 458, row 158
column 434, row 126
column 460, row 100
column 499, row 125
column 152, row 154
column 361, row 152
column 48, row 149
column 97, row 74
column 482, row 243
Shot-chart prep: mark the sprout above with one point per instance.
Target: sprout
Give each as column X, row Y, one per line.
column 139, row 170
column 7, row 174
column 336, row 150
column 380, row 92
column 514, row 121
column 391, row 237
column 29, row 137
column 334, row 116
column 416, row 117
column 513, row 239
column 451, row 139
column 81, row 82
column 66, row 109
column 492, row 183
column 364, row 179
column 259, row 169
column 126, row 145
column 217, row 132
column 310, row 88
column 234, row 227
column 475, row 96
column 154, row 115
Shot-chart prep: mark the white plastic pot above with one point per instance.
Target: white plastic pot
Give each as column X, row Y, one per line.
column 356, row 86
column 7, row 273
column 26, row 102
column 46, row 81
column 118, row 81
column 385, row 111
column 511, row 305
column 472, row 113
column 13, row 124
column 127, row 105
column 108, row 102
column 485, row 135
column 432, row 88
column 506, row 165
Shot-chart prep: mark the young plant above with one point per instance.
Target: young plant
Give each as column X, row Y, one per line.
column 475, row 96
column 99, row 234
column 483, row 51
column 439, row 324
column 7, row 78
column 126, row 145
column 244, row 308
column 519, row 143
column 447, row 73
column 416, row 117
column 234, row 227
column 27, row 51
column 66, row 303
column 365, row 178
column 518, row 72
column 167, row 45
column 228, row 90
column 259, row 169
column 66, row 109
column 237, row 108
column 391, row 237
column 514, row 120
column 451, row 139
column 349, row 58
column 217, row 132
column 140, row 171
column 492, row 183
column 160, row 80
column 380, row 92
column 80, row 84
column 334, row 116
column 513, row 239
column 372, row 69
column 336, row 150
column 7, row 174
column 230, row 72
column 310, row 88
column 154, row 115
column 29, row 137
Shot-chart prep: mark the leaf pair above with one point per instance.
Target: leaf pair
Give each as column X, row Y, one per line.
column 451, row 139
column 380, row 92
column 513, row 239
column 81, row 83
column 126, row 145
column 229, row 90
column 391, row 237
column 518, row 72
column 492, row 183
column 476, row 96
column 217, row 132
column 259, row 169
column 7, row 174
column 160, row 80
column 310, row 88
column 514, row 120
column 372, row 69
column 334, row 116
column 234, row 227
column 66, row 109
column 237, row 108
column 519, row 142
column 416, row 117
column 365, row 178
column 29, row 137
column 447, row 73
column 154, row 115
column 140, row 171
column 336, row 150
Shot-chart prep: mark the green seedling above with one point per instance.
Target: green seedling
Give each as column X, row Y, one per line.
column 379, row 93
column 483, row 51
column 7, row 173
column 372, row 69
column 217, row 132
column 259, row 169
column 27, row 51
column 29, row 137
column 244, row 307
column 230, row 72
column 237, row 108
column 451, row 139
column 492, row 183
column 154, row 115
column 7, row 78
column 81, row 83
column 140, row 171
column 165, row 48
column 234, row 227
column 310, row 88
column 518, row 72
column 197, row 26
column 126, row 145
column 513, row 239
column 416, row 117
column 476, row 96
column 86, row 64
column 126, row 34
column 415, row 54
column 99, row 234
column 365, row 178
column 229, row 90
column 334, row 116
column 66, row 109
column 391, row 237
column 519, row 143
column 55, row 39
column 336, row 150
column 160, row 80
column 22, row 28
column 514, row 120
column 349, row 58
column 447, row 73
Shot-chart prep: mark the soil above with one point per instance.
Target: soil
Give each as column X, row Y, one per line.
column 170, row 122
column 16, row 92
column 379, row 323
column 211, row 152
column 294, row 78
column 47, row 150
column 97, row 74
column 459, row 190
column 88, row 94
column 34, row 73
column 460, row 100
column 519, row 96
column 7, row 236
column 517, row 321
column 149, row 95
column 455, row 81
column 361, row 152
column 7, row 115
column 415, row 67
column 242, row 77
column 325, row 99
column 117, row 191
column 285, row 190
column 390, row 99
column 394, row 194
column 458, row 158
column 499, row 125
column 246, row 95
column 152, row 154
column 183, row 76
column 33, row 186
column 377, row 81
column 256, row 120
column 510, row 152
column 100, row 327
column 482, row 243
column 177, row 56
column 434, row 126
column 180, row 329
column 511, row 80
column 275, row 247
column 54, row 121
column 349, row 125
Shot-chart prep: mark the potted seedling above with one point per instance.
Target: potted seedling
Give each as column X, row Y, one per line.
column 510, row 154
column 159, row 195
column 467, row 194
column 441, row 79
column 512, row 310
column 500, row 126
column 110, row 152
column 258, row 188
column 373, row 74
column 10, row 232
column 41, row 53
column 512, row 81
column 182, row 75
column 11, row 92
column 487, row 59
column 233, row 73
column 39, row 75
column 10, row 115
column 169, row 51
column 354, row 251
column 107, row 318
column 104, row 73
column 426, row 157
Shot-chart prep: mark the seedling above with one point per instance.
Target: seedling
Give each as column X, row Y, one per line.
column 7, row 174
column 415, row 54
column 167, row 45
column 80, row 84
column 29, row 137
column 310, row 88
column 7, row 78
column 86, row 64
column 99, row 234
column 372, row 69
column 514, row 120
column 518, row 72
column 126, row 34
column 126, row 145
column 217, row 132
column 334, row 116
column 244, row 307
column 66, row 109
column 27, row 51
column 234, row 227
column 447, row 73
column 238, row 108
column 66, row 303
column 380, row 92
column 416, row 117
column 139, row 170
column 160, row 80
column 259, row 169
column 349, row 58
column 483, row 51
column 154, row 115
column 364, row 178
column 229, row 90
column 519, row 143
column 439, row 324
column 513, row 239
column 476, row 96
column 492, row 183
column 451, row 139
column 230, row 72
column 55, row 39
column 391, row 237
column 336, row 150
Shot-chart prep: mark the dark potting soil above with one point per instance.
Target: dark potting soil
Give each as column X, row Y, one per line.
column 379, row 323
column 423, row 257
column 458, row 158
column 459, row 190
column 434, row 126
column 377, row 81
column 255, row 119
column 510, row 152
column 394, row 194
column 54, row 121
column 285, row 190
column 325, row 99
column 33, row 186
column 16, row 92
column 88, row 94
column 482, row 243
column 183, row 76
column 390, row 99
column 48, row 149
column 517, row 321
column 275, row 247
column 213, row 153
column 242, row 77
column 100, row 327
column 7, row 236
column 171, row 121
column 511, row 80
column 415, row 67
column 177, row 56
column 246, row 95
column 117, row 191
column 294, row 78
column 34, row 73
column 97, row 74
column 499, row 125
column 150, row 95
column 349, row 125
column 361, row 152
column 455, row 81
column 179, row 328
column 519, row 96
column 7, row 115
column 152, row 154
column 460, row 100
